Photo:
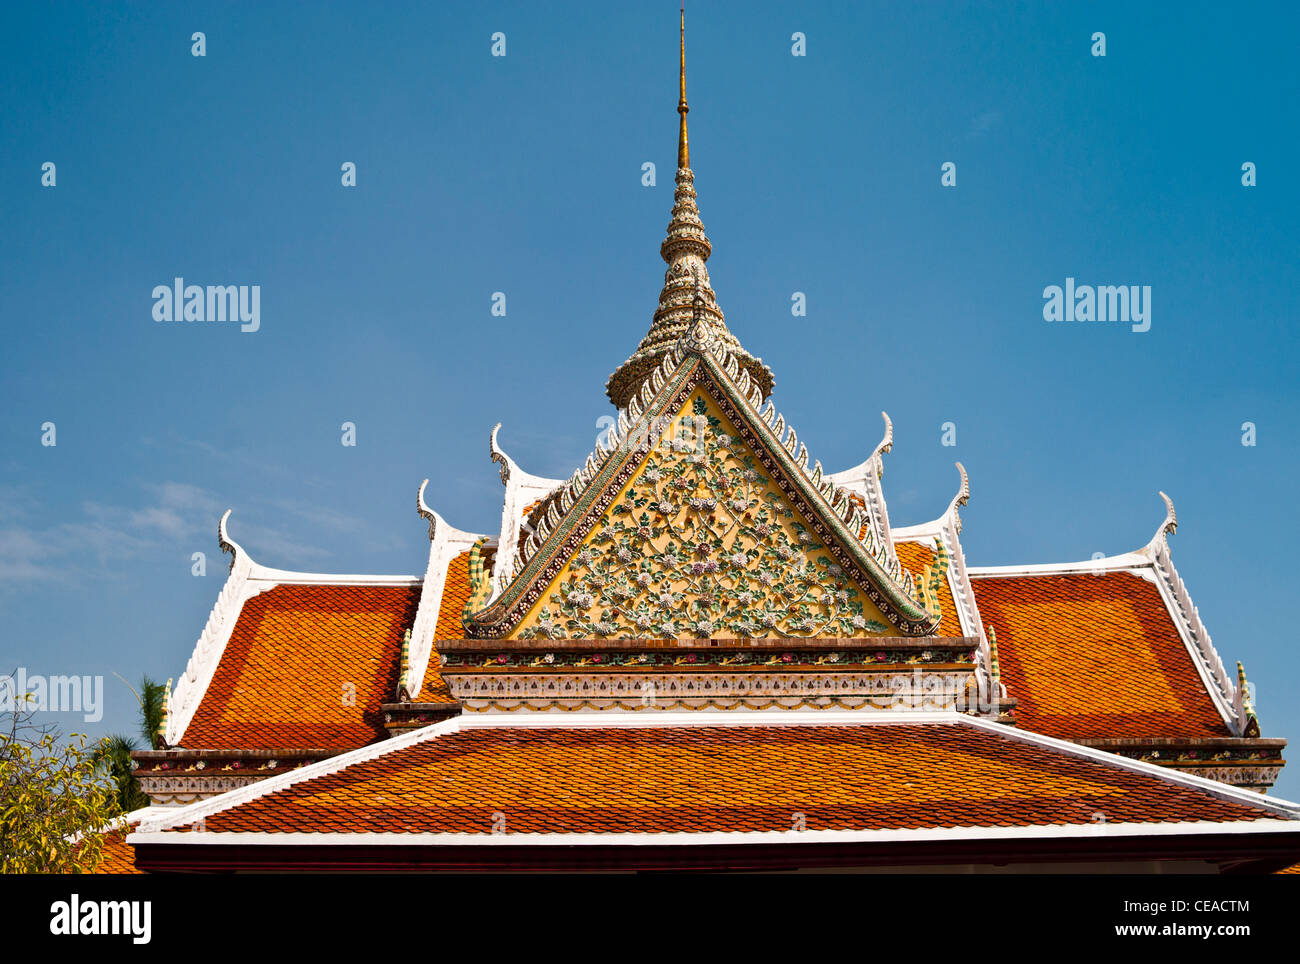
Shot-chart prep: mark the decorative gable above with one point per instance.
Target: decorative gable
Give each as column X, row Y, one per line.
column 701, row 542
column 700, row 523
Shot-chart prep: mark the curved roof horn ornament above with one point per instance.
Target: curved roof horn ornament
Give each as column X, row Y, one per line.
column 422, row 507
column 962, row 496
column 1170, row 525
column 226, row 543
column 498, row 455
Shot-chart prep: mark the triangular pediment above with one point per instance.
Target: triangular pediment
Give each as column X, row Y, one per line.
column 700, row 522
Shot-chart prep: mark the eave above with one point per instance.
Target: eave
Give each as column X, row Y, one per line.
column 1262, row 847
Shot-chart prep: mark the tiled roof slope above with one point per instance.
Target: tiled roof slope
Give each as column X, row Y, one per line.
column 118, row 855
column 455, row 593
column 674, row 779
column 1095, row 655
column 286, row 677
column 914, row 557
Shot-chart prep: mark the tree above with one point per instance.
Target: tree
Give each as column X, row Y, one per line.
column 54, row 804
column 152, row 699
column 114, row 753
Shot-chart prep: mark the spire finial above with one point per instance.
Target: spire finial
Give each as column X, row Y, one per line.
column 686, row 301
column 683, row 144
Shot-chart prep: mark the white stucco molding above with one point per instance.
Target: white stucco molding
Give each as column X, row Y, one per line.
column 947, row 530
column 185, row 698
column 864, row 480
column 522, row 489
column 445, row 543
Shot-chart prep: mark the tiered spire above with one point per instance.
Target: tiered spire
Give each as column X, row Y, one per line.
column 683, row 142
column 685, row 250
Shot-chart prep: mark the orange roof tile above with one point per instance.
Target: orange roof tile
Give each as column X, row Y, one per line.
column 118, row 855
column 914, row 557
column 661, row 779
column 306, row 666
column 1094, row 655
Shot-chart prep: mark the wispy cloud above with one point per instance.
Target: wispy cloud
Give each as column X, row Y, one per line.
column 169, row 515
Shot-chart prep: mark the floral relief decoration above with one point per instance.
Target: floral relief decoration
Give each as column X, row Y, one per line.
column 702, row 544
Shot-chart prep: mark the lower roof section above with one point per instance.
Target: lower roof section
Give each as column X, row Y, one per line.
column 306, row 666
column 907, row 784
column 1095, row 654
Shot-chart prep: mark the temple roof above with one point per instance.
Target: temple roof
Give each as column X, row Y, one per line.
column 919, row 558
column 763, row 774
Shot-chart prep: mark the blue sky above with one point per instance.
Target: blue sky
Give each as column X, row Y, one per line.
column 522, row 174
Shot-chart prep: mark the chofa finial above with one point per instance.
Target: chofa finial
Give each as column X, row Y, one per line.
column 499, row 456
column 962, row 496
column 226, row 543
column 887, row 442
column 1170, row 525
column 422, row 507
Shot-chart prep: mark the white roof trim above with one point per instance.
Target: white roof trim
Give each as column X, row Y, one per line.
column 123, row 822
column 184, row 816
column 285, row 577
column 864, row 480
column 521, row 490
column 716, row 838
column 185, row 698
column 923, row 532
column 963, row 592
column 947, row 529
column 445, row 543
column 1133, row 562
column 1223, row 692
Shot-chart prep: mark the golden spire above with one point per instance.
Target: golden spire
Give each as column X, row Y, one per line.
column 683, row 143
column 687, row 299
